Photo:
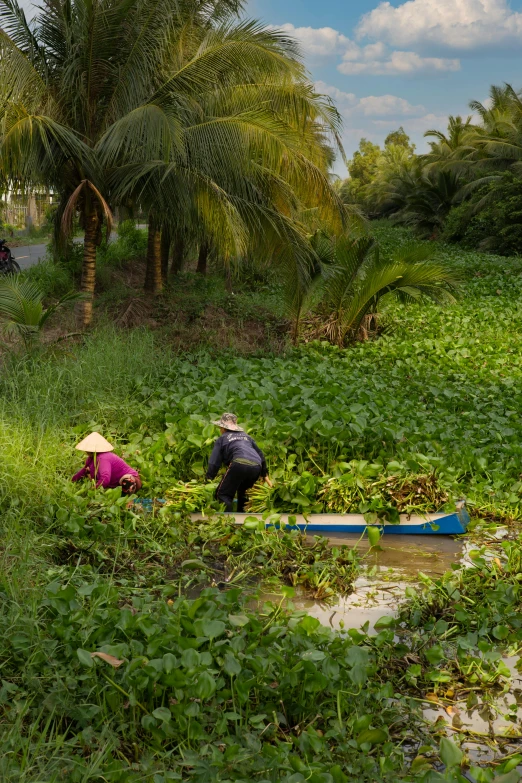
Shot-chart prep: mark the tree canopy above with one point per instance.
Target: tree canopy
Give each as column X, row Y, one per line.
column 207, row 120
column 465, row 188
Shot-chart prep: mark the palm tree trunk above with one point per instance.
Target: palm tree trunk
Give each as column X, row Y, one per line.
column 296, row 329
column 178, row 256
column 228, row 278
column 166, row 242
column 201, row 268
column 88, row 282
column 153, row 279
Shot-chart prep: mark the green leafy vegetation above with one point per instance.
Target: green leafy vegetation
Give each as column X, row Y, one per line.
column 133, row 644
column 241, row 693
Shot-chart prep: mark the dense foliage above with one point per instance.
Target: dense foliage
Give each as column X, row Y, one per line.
column 491, row 219
column 437, row 392
column 111, row 665
column 467, row 188
column 207, row 120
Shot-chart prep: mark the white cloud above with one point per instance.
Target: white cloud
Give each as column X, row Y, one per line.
column 398, row 64
column 345, row 101
column 415, row 125
column 376, row 59
column 457, row 24
column 370, row 106
column 320, row 41
column 385, row 105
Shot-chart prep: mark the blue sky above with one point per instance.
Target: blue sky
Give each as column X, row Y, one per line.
column 395, row 63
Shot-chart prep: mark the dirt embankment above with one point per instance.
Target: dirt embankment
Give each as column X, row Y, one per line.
column 192, row 313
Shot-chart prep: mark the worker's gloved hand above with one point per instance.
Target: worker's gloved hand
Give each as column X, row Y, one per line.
column 267, row 481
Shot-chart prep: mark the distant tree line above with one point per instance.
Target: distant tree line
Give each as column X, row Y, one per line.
column 466, row 189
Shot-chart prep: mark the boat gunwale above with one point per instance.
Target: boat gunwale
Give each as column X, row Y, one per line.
column 456, row 520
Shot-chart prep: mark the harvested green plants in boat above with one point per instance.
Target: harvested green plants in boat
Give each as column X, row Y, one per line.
column 355, row 487
column 295, row 492
column 363, row 488
column 192, row 496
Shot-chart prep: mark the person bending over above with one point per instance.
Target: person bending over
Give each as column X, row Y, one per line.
column 108, row 470
column 244, row 460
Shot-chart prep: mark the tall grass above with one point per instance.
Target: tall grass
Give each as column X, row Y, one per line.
column 46, row 400
column 96, row 378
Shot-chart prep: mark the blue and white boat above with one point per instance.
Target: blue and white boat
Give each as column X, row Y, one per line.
column 441, row 524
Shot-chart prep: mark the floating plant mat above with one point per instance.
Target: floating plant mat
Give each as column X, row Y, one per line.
column 468, row 683
column 492, row 718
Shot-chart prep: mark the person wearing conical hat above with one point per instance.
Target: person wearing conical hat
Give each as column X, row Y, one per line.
column 244, row 460
column 104, row 467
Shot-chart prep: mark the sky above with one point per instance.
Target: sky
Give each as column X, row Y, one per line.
column 412, row 63
column 387, row 64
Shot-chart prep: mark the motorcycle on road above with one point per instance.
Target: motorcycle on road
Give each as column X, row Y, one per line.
column 8, row 265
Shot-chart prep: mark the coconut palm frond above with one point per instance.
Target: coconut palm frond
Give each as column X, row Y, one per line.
column 15, row 25
column 21, row 308
column 85, row 189
column 357, row 277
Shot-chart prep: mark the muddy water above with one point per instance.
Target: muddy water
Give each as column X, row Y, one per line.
column 492, row 723
column 407, row 554
column 391, row 567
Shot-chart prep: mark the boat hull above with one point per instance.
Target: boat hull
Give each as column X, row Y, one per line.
column 442, row 524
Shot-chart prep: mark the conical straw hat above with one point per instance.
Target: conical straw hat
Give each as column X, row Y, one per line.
column 95, row 443
column 229, row 422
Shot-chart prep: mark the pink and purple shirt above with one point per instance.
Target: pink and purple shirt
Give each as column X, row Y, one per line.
column 111, row 470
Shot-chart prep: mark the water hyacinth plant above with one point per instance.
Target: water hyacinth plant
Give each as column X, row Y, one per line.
column 133, row 645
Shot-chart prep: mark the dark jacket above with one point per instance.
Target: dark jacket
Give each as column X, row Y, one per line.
column 235, row 446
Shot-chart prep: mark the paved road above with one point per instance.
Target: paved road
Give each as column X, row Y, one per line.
column 29, row 255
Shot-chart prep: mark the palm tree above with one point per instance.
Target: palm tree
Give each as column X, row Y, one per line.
column 485, row 152
column 427, row 204
column 451, row 145
column 415, row 193
column 262, row 149
column 355, row 277
column 99, row 122
column 395, row 172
